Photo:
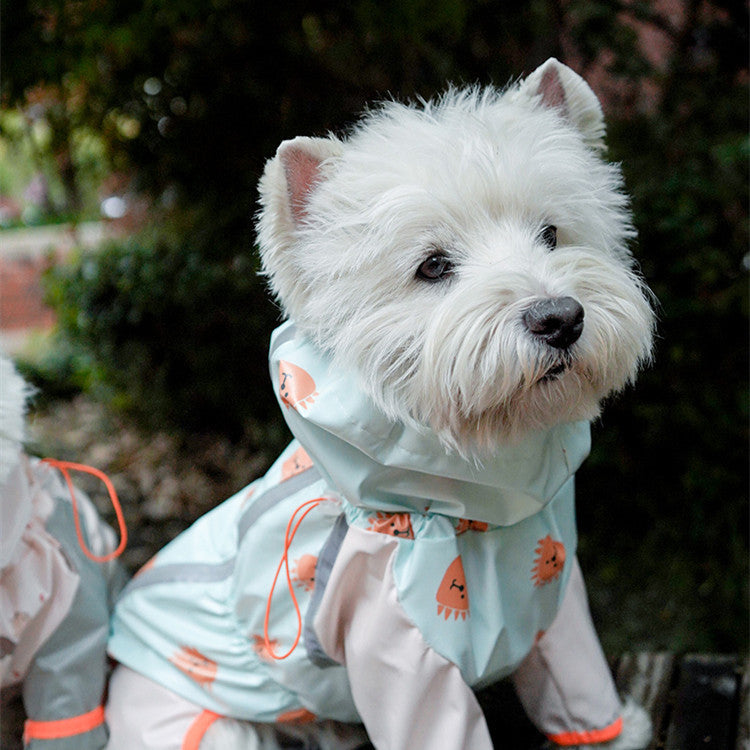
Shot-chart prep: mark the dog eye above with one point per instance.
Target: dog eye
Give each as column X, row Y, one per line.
column 548, row 236
column 436, row 267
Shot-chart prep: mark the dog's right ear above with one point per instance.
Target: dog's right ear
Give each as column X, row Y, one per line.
column 291, row 176
column 288, row 182
column 301, row 160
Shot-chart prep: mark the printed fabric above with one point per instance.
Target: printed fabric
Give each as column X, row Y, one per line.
column 467, row 562
column 55, row 606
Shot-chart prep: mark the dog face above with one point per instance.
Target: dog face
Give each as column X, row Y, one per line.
column 468, row 258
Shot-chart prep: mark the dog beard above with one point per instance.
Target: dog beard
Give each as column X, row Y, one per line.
column 470, row 369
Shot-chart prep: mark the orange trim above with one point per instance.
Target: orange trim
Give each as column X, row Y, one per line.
column 59, row 728
column 590, row 737
column 63, row 467
column 297, row 716
column 198, row 729
column 288, row 538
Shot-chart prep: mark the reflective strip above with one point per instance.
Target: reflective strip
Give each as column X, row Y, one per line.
column 588, row 738
column 182, row 573
column 214, row 572
column 59, row 728
column 272, row 496
column 324, row 566
column 198, row 729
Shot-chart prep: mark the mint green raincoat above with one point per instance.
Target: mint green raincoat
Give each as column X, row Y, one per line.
column 418, row 575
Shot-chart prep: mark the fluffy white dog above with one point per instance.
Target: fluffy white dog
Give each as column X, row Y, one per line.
column 461, row 299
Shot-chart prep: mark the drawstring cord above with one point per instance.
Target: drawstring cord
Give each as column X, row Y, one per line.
column 65, row 467
column 288, row 538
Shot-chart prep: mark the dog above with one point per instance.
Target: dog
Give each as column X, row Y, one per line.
column 59, row 581
column 460, row 300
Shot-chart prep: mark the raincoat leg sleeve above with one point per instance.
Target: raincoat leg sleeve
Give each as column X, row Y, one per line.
column 142, row 714
column 64, row 687
column 564, row 683
column 407, row 695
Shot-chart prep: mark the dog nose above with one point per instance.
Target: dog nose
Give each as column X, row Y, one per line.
column 558, row 321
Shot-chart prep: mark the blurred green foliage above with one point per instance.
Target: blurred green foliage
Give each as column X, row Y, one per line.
column 191, row 96
column 176, row 339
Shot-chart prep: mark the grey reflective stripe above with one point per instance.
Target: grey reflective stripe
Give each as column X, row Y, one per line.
column 187, row 572
column 270, row 497
column 182, row 573
column 323, row 568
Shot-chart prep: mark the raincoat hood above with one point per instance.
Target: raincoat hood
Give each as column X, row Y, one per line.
column 379, row 464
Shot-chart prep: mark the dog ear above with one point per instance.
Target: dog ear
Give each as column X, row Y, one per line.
column 560, row 88
column 301, row 160
column 288, row 181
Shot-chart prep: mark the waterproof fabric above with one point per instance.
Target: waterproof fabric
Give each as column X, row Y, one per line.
column 144, row 715
column 38, row 582
column 375, row 463
column 501, row 531
column 56, row 605
column 564, row 683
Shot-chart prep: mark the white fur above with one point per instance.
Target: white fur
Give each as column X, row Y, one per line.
column 476, row 174
column 581, row 105
column 636, row 731
column 14, row 394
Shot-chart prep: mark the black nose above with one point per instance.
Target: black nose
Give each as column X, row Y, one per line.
column 557, row 321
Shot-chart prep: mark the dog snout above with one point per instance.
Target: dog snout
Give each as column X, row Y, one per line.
column 558, row 321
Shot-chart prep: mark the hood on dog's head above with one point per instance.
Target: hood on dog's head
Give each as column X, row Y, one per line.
column 14, row 397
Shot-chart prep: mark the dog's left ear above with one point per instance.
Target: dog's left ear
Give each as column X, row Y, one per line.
column 558, row 87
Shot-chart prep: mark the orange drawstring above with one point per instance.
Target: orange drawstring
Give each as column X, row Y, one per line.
column 288, row 538
column 65, row 467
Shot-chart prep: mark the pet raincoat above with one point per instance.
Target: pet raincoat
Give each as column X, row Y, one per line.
column 413, row 576
column 55, row 604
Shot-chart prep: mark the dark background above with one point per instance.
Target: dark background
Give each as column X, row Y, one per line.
column 189, row 97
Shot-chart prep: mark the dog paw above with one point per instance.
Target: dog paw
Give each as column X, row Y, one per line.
column 635, row 735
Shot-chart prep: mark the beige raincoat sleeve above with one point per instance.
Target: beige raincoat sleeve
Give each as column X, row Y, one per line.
column 408, row 695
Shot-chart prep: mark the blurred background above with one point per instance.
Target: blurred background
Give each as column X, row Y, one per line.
column 132, row 135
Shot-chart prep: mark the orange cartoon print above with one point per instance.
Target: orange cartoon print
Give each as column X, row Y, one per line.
column 195, row 665
column 296, row 386
column 298, row 462
column 452, row 594
column 550, row 561
column 297, row 716
column 464, row 525
column 393, row 524
column 303, row 572
column 260, row 648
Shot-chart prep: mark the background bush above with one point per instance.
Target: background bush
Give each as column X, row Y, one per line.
column 177, row 339
column 191, row 96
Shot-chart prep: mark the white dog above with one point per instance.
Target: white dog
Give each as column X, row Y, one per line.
column 461, row 299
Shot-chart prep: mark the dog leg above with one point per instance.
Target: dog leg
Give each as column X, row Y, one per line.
column 407, row 694
column 566, row 686
column 227, row 734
